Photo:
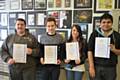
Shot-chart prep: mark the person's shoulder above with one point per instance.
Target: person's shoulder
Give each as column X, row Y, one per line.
column 58, row 34
column 11, row 35
column 116, row 35
column 43, row 35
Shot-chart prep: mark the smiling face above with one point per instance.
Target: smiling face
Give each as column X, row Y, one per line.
column 106, row 24
column 75, row 33
column 20, row 27
column 51, row 25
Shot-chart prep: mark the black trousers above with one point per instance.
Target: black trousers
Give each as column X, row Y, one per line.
column 20, row 72
column 105, row 73
column 49, row 72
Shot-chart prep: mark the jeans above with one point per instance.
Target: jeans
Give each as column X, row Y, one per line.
column 73, row 75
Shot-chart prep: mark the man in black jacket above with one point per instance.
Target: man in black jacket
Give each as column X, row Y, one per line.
column 104, row 68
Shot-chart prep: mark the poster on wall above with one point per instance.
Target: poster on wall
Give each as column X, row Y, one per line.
column 104, row 5
column 65, row 18
column 50, row 3
column 3, row 20
column 83, row 4
column 82, row 16
column 12, row 19
column 40, row 18
column 40, row 4
column 14, row 4
column 67, row 3
column 30, row 19
column 27, row 4
column 21, row 15
column 59, row 4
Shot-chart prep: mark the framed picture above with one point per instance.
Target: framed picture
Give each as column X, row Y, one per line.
column 3, row 34
column 116, row 19
column 65, row 18
column 82, row 16
column 67, row 3
column 40, row 18
column 3, row 4
column 96, row 22
column 14, row 4
column 104, row 5
column 21, row 15
column 63, row 33
column 50, row 3
column 30, row 19
column 3, row 20
column 83, row 4
column 59, row 4
column 40, row 4
column 27, row 4
column 12, row 19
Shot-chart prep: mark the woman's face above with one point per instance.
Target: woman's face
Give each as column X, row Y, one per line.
column 75, row 33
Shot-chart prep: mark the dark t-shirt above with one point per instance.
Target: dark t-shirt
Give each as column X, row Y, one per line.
column 115, row 39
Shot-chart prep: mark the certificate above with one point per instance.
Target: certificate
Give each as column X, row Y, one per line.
column 19, row 53
column 72, row 51
column 50, row 55
column 102, row 48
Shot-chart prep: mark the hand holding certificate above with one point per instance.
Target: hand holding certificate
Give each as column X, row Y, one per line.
column 50, row 56
column 72, row 51
column 102, row 48
column 19, row 53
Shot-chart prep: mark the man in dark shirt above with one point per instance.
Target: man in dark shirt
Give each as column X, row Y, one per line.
column 104, row 68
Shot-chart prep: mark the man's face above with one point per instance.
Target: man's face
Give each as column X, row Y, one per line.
column 106, row 24
column 20, row 27
column 50, row 27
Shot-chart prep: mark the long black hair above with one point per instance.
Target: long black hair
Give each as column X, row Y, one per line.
column 79, row 38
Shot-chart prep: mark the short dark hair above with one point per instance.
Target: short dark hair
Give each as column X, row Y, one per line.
column 51, row 19
column 21, row 19
column 106, row 16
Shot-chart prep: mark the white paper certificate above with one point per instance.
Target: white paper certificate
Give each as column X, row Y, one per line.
column 50, row 55
column 102, row 48
column 72, row 51
column 19, row 53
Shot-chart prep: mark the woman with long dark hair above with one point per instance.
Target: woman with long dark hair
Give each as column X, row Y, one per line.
column 74, row 68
